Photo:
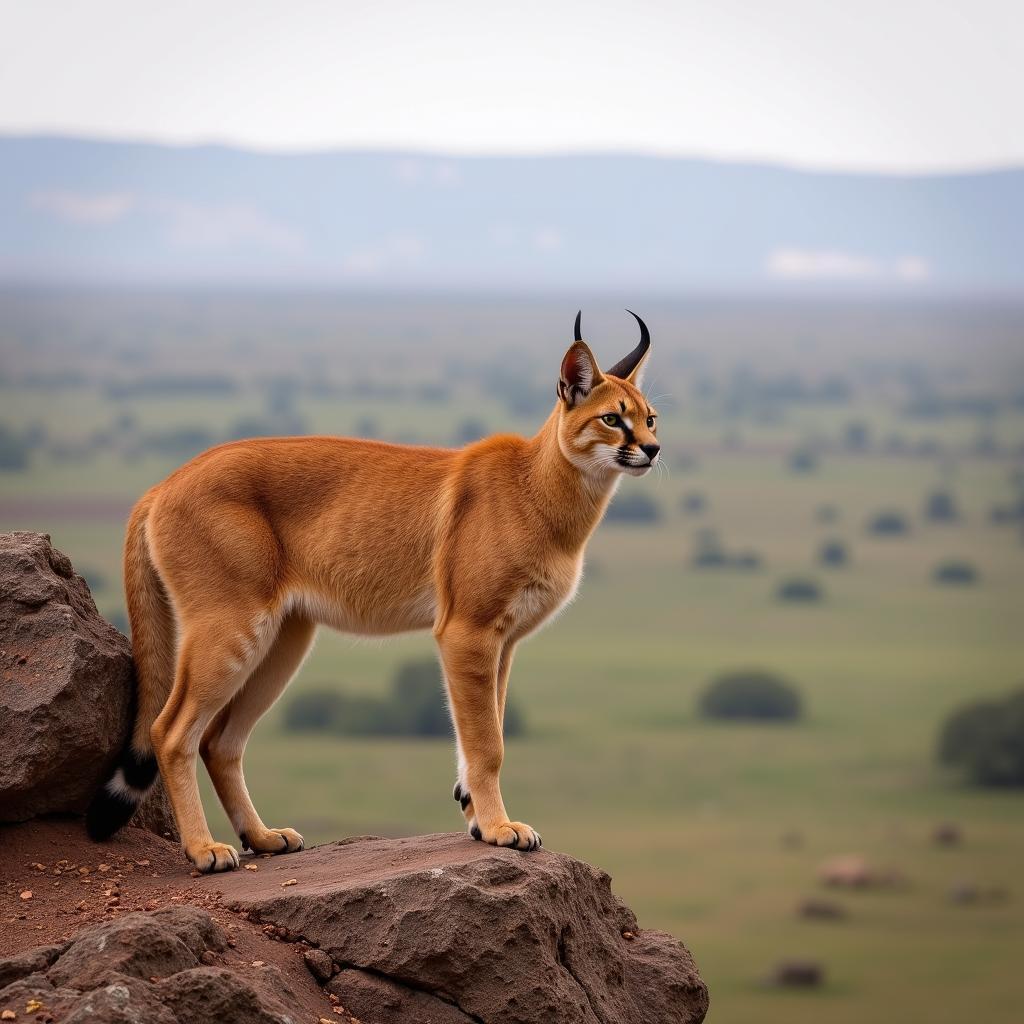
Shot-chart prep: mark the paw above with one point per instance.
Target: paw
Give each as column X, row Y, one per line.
column 514, row 834
column 273, row 840
column 210, row 857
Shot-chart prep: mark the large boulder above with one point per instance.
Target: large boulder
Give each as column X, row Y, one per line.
column 66, row 687
column 162, row 968
column 443, row 929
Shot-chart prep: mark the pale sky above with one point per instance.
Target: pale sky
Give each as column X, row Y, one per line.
column 892, row 85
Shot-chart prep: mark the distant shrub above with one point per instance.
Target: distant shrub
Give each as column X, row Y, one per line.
column 803, row 460
column 955, row 572
column 827, row 514
column 799, row 590
column 633, row 507
column 833, row 553
column 986, row 740
column 119, row 620
column 171, row 385
column 985, row 445
column 15, row 449
column 415, row 707
column 750, row 695
column 269, row 425
column 470, row 430
column 96, row 578
column 940, row 507
column 178, row 442
column 857, row 436
column 693, row 503
column 748, row 560
column 889, row 523
column 1011, row 512
column 708, row 553
column 366, row 426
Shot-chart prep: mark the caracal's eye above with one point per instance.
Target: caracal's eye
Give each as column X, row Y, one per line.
column 611, row 419
column 650, row 422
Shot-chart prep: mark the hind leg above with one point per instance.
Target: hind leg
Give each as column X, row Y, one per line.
column 216, row 657
column 224, row 742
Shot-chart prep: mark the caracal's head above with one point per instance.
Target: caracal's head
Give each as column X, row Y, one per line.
column 605, row 424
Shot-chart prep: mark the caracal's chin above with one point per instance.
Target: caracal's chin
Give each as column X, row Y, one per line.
column 637, row 470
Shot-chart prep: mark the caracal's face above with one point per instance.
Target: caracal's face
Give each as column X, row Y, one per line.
column 612, row 430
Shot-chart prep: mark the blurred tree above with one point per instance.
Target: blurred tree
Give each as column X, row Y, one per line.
column 693, row 503
column 799, row 590
column 888, row 523
column 14, row 449
column 633, row 507
column 416, row 706
column 986, row 740
column 940, row 507
column 469, row 430
column 833, row 553
column 955, row 572
column 751, row 695
column 803, row 460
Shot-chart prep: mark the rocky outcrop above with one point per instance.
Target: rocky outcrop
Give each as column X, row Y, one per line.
column 161, row 968
column 66, row 687
column 441, row 928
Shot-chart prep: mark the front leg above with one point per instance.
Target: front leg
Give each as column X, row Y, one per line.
column 472, row 659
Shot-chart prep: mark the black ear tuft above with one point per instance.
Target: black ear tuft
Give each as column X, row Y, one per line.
column 576, row 331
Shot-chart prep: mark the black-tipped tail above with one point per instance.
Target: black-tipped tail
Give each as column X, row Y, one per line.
column 117, row 799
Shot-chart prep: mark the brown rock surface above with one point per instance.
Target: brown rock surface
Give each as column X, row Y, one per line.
column 493, row 934
column 66, row 687
column 430, row 930
column 149, row 967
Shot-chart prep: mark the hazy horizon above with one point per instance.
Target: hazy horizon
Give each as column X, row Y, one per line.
column 879, row 88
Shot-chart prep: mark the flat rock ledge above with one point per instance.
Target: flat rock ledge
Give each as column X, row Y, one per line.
column 446, row 930
column 431, row 930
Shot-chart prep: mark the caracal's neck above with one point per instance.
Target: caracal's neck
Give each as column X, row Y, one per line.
column 569, row 501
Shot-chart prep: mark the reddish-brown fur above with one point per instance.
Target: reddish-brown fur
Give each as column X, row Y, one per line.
column 234, row 559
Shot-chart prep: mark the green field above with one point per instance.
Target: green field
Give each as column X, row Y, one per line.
column 711, row 831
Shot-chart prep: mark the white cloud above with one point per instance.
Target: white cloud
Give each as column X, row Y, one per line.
column 83, row 207
column 912, row 268
column 223, row 226
column 397, row 251
column 794, row 264
column 184, row 223
column 547, row 238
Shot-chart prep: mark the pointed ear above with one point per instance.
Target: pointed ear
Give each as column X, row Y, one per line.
column 579, row 375
column 631, row 368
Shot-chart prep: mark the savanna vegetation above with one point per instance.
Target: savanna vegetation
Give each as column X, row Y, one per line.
column 714, row 830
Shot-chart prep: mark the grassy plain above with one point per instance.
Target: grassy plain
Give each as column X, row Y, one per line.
column 713, row 832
